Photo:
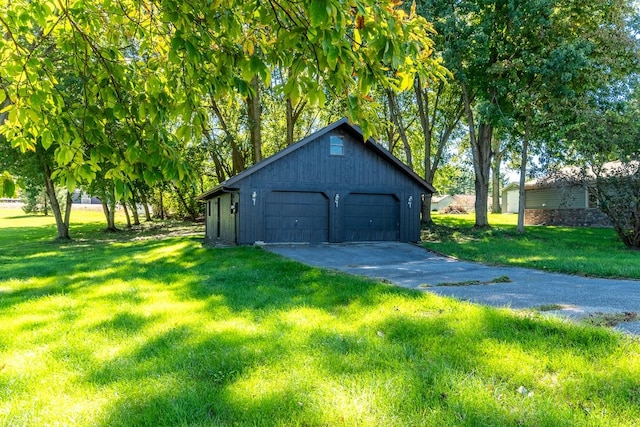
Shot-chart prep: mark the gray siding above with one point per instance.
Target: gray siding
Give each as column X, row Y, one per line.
column 220, row 222
column 306, row 194
column 556, row 198
column 510, row 201
column 311, row 169
column 359, row 169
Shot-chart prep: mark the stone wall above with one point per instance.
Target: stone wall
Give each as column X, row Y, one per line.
column 566, row 217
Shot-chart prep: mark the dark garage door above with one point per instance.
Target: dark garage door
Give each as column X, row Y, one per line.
column 371, row 217
column 297, row 217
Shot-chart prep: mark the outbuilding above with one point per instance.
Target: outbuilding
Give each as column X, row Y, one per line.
column 333, row 186
column 511, row 198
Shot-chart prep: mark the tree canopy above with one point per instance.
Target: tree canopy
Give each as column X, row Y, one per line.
column 127, row 97
column 116, row 89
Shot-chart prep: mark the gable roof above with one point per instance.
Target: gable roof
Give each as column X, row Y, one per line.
column 230, row 184
column 438, row 199
column 511, row 186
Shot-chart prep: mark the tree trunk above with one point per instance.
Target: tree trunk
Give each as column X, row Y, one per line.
column 62, row 222
column 145, row 206
column 161, row 205
column 290, row 122
column 188, row 209
column 254, row 112
column 67, row 211
column 425, row 214
column 112, row 217
column 482, row 168
column 147, row 213
column 523, row 176
column 481, row 152
column 293, row 114
column 109, row 215
column 496, row 182
column 109, row 209
column 238, row 163
column 126, row 214
column 134, row 208
column 397, row 121
column 423, row 111
column 428, row 118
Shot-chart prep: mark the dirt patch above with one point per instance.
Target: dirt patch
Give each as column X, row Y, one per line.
column 500, row 279
column 610, row 319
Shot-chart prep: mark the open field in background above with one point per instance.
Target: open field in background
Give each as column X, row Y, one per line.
column 152, row 328
column 582, row 251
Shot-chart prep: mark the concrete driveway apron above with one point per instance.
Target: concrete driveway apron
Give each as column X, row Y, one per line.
column 412, row 266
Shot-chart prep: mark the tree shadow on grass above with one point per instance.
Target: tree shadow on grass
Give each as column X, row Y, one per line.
column 417, row 371
column 274, row 342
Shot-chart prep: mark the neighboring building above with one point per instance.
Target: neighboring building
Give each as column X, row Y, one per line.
column 441, row 202
column 510, row 198
column 80, row 197
column 562, row 198
column 332, row 186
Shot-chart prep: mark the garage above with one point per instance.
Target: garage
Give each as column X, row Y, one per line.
column 333, row 186
column 371, row 217
column 295, row 217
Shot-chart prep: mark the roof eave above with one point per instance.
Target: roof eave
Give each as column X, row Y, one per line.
column 215, row 191
column 228, row 185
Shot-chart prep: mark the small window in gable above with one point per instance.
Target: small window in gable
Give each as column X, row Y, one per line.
column 336, row 145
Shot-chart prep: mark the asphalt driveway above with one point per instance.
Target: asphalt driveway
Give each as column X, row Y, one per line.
column 414, row 267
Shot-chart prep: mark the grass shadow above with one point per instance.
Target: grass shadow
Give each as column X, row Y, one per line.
column 161, row 331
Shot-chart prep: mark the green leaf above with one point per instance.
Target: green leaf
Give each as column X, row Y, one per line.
column 70, row 182
column 64, row 155
column 318, row 13
column 46, row 139
column 8, row 188
column 332, row 57
column 119, row 188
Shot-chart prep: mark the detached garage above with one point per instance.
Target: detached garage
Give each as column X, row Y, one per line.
column 332, row 186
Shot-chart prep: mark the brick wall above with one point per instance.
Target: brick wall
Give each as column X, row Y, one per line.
column 566, row 217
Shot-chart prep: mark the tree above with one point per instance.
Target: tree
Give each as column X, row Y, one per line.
column 513, row 60
column 144, row 72
column 605, row 139
column 440, row 111
column 617, row 189
column 35, row 170
column 7, row 185
column 578, row 50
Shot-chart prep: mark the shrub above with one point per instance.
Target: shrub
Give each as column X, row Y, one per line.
column 454, row 209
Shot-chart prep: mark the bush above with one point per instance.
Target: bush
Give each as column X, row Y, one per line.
column 454, row 209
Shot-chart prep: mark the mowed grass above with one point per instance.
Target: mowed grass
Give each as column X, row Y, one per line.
column 142, row 329
column 573, row 250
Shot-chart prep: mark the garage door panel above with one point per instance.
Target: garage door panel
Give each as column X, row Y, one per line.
column 296, row 217
column 371, row 217
column 273, row 223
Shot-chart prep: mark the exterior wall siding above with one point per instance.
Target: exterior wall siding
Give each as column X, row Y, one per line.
column 566, row 197
column 510, row 201
column 220, row 222
column 312, row 169
column 310, row 172
column 359, row 168
column 562, row 206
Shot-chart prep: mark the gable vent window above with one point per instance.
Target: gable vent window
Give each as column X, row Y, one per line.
column 336, row 145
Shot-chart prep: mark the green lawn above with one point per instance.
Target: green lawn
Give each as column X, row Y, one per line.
column 145, row 329
column 582, row 251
